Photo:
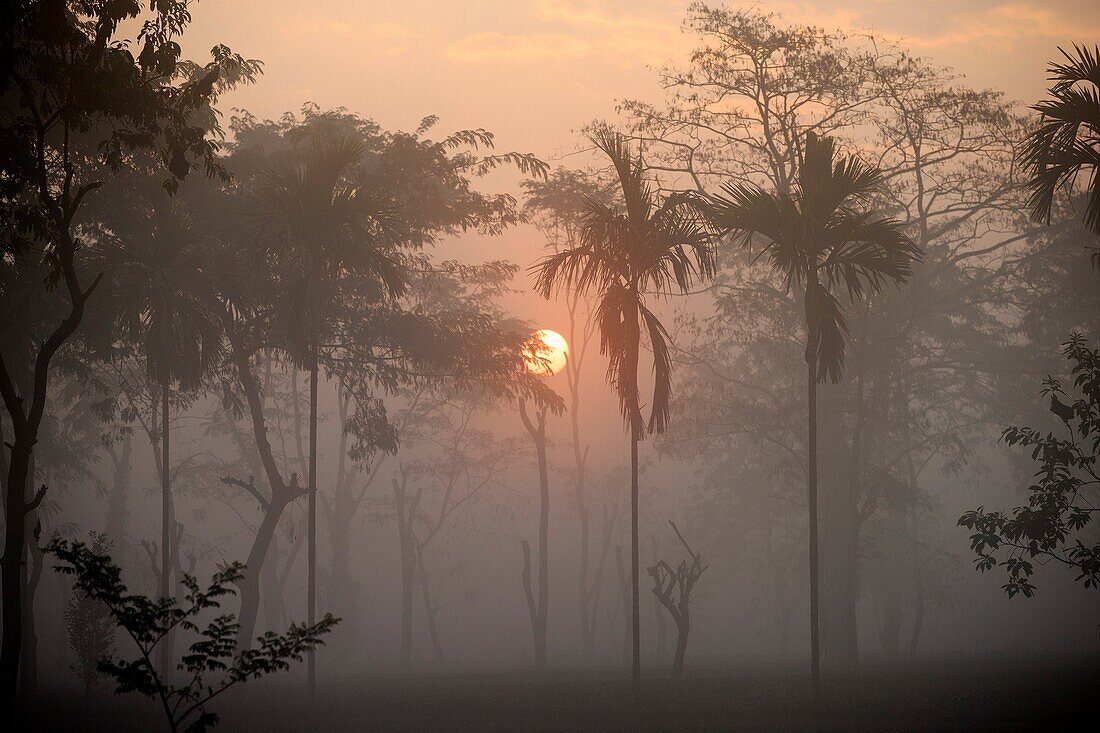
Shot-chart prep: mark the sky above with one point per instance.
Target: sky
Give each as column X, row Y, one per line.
column 535, row 72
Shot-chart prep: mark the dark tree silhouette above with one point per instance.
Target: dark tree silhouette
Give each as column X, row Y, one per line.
column 672, row 588
column 160, row 295
column 1066, row 144
column 1052, row 525
column 649, row 247
column 214, row 655
column 68, row 86
column 821, row 237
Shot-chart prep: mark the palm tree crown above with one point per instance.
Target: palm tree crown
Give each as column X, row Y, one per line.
column 1067, row 141
column 161, row 292
column 821, row 236
column 647, row 246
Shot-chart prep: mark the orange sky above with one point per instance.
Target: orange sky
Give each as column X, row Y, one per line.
column 533, row 72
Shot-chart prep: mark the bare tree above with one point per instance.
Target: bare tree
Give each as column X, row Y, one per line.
column 673, row 587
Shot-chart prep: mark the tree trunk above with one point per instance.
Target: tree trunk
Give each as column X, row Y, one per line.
column 119, row 498
column 539, row 607
column 408, row 570
column 429, row 609
column 165, row 524
column 250, row 581
column 28, row 667
column 13, row 563
column 659, row 616
column 811, row 481
column 683, row 629
column 311, row 541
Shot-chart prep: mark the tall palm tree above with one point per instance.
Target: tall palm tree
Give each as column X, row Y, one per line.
column 648, row 247
column 316, row 214
column 822, row 237
column 159, row 297
column 1067, row 141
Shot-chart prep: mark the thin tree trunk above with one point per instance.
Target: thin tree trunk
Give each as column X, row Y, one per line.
column 408, row 568
column 659, row 615
column 119, row 498
column 811, row 482
column 28, row 667
column 540, row 606
column 635, row 609
column 429, row 609
column 311, row 540
column 165, row 523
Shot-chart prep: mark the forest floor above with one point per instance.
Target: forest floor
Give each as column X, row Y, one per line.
column 955, row 696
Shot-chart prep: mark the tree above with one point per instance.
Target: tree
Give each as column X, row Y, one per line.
column 90, row 627
column 739, row 110
column 160, row 295
column 537, row 608
column 820, row 236
column 336, row 219
column 672, row 587
column 214, row 655
column 1052, row 525
column 651, row 246
column 1066, row 143
column 68, row 86
column 555, row 206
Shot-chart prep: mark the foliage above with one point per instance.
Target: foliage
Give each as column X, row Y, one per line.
column 1053, row 524
column 211, row 663
column 648, row 246
column 90, row 626
column 1066, row 144
column 821, row 236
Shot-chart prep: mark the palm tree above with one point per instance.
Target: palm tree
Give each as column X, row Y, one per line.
column 821, row 237
column 650, row 246
column 1067, row 141
column 316, row 214
column 161, row 289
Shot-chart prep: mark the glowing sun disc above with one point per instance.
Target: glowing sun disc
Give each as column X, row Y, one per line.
column 549, row 352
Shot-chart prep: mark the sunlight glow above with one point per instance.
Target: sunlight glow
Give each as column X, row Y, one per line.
column 548, row 353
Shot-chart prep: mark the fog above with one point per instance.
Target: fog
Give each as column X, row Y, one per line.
column 823, row 289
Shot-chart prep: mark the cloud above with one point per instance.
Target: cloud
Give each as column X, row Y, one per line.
column 1010, row 22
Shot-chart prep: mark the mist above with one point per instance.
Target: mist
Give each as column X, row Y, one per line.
column 580, row 365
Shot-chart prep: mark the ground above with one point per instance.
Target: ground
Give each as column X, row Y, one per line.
column 954, row 695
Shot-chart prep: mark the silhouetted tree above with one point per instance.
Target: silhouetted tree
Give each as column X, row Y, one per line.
column 68, row 86
column 1066, row 143
column 556, row 205
column 820, row 236
column 672, row 587
column 1051, row 526
column 650, row 247
column 214, row 655
column 160, row 294
column 90, row 627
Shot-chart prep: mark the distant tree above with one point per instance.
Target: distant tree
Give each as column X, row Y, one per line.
column 555, row 206
column 78, row 106
column 820, row 236
column 212, row 664
column 1066, row 144
column 739, row 109
column 1052, row 527
column 672, row 587
column 90, row 626
column 160, row 295
column 651, row 246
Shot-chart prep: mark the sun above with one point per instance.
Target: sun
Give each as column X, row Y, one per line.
column 548, row 352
